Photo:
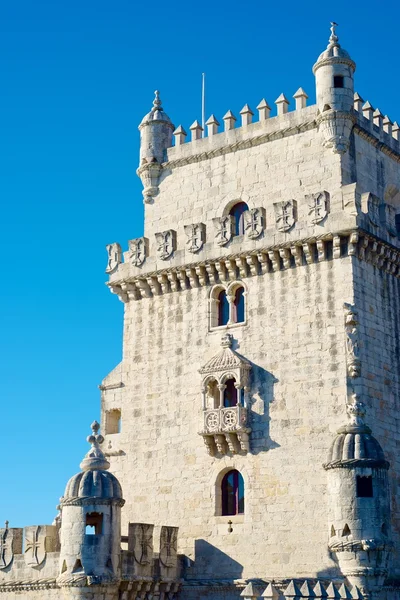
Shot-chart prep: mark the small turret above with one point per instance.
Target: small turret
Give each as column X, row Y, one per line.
column 155, row 137
column 359, row 500
column 334, row 75
column 91, row 527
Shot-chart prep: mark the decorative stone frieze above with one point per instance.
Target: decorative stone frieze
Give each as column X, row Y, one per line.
column 352, row 342
column 196, row 236
column 10, row 544
column 318, row 205
column 254, row 222
column 114, row 257
column 285, row 214
column 223, row 229
column 166, row 243
column 138, row 251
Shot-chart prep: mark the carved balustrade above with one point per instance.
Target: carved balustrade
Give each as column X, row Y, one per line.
column 225, row 430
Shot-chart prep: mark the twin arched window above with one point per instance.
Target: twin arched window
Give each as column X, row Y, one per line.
column 232, row 493
column 237, row 211
column 230, row 307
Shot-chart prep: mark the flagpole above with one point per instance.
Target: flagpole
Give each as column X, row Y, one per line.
column 203, row 102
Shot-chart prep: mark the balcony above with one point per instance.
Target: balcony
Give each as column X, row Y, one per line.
column 225, row 430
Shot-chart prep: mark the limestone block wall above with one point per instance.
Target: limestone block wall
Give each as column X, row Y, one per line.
column 294, row 338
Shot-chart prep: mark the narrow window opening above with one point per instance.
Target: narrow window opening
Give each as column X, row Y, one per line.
column 346, row 530
column 237, row 212
column 364, row 487
column 230, row 394
column 397, row 223
column 77, row 566
column 212, row 394
column 94, row 523
column 384, row 529
column 223, row 308
column 326, row 107
column 232, row 488
column 338, row 81
column 333, row 531
column 64, row 567
column 238, row 306
column 113, row 421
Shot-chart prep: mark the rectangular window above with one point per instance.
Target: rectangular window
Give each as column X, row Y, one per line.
column 364, row 487
column 338, row 81
column 113, row 421
column 94, row 523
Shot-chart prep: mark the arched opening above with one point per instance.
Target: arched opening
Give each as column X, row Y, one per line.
column 230, row 393
column 232, row 493
column 94, row 523
column 238, row 306
column 212, row 394
column 237, row 211
column 223, row 308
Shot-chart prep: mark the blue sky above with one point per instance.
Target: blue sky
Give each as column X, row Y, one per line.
column 76, row 79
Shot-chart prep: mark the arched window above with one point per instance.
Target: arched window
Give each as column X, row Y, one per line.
column 230, row 394
column 237, row 212
column 238, row 306
column 232, row 489
column 223, row 308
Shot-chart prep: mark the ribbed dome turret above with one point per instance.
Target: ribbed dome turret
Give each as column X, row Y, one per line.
column 334, row 53
column 93, row 481
column 354, row 444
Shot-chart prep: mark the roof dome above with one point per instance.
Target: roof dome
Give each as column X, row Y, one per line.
column 334, row 52
column 93, row 481
column 157, row 113
column 354, row 445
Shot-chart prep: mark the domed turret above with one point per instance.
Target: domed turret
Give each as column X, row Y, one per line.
column 91, row 526
column 155, row 137
column 359, row 520
column 334, row 75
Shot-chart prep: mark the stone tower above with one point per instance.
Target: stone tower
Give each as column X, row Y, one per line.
column 279, row 240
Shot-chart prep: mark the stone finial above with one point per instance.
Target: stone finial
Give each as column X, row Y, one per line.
column 387, row 125
column 301, row 98
column 358, row 102
column 226, row 340
column 247, row 115
column 95, row 459
column 333, row 39
column 157, row 105
column 344, row 592
column 378, row 118
column 368, row 110
column 332, row 593
column 264, row 110
column 292, row 590
column 307, row 591
column 282, row 104
column 6, row 524
column 212, row 125
column 270, row 592
column 229, row 120
column 180, row 135
column 396, row 131
column 249, row 592
column 356, row 411
column 196, row 130
column 319, row 590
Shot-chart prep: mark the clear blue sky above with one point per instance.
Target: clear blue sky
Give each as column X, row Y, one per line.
column 76, row 79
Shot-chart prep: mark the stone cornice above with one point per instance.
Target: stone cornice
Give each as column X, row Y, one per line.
column 281, row 257
column 380, row 145
column 256, row 140
column 28, row 586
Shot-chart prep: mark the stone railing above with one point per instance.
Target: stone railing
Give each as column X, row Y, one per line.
column 225, row 430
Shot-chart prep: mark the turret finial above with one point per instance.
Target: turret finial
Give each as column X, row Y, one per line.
column 95, row 459
column 157, row 101
column 333, row 37
column 226, row 340
column 356, row 411
column 6, row 523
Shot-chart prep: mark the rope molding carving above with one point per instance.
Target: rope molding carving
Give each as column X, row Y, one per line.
column 260, row 262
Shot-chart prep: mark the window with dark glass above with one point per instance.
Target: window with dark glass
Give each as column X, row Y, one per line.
column 232, row 488
column 338, row 81
column 364, row 487
column 237, row 212
column 223, row 308
column 230, row 394
column 238, row 306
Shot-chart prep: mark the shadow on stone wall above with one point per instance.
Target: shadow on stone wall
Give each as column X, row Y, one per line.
column 212, row 563
column 261, row 398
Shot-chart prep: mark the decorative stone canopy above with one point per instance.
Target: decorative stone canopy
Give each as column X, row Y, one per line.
column 157, row 113
column 354, row 446
column 227, row 361
column 93, row 481
column 334, row 53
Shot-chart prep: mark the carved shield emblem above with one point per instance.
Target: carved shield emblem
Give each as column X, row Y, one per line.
column 285, row 214
column 390, row 218
column 166, row 243
column 223, row 229
column 114, row 257
column 10, row 544
column 141, row 542
column 138, row 251
column 318, row 205
column 373, row 209
column 254, row 222
column 38, row 541
column 196, row 235
column 168, row 546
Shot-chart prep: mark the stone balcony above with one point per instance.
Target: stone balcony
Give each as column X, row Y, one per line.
column 225, row 430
